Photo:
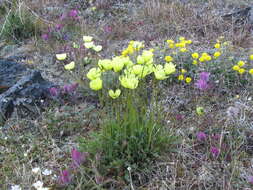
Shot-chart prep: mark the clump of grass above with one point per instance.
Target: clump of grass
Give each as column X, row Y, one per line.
column 19, row 24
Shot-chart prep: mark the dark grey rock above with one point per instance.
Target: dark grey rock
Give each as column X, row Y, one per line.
column 22, row 89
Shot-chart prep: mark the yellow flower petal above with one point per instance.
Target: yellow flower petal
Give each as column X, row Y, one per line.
column 96, row 84
column 89, row 45
column 168, row 59
column 97, row 48
column 195, row 55
column 169, row 68
column 61, row 56
column 188, row 79
column 87, row 38
column 241, row 63
column 70, row 66
column 115, row 94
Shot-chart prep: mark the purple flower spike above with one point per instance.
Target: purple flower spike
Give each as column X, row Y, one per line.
column 70, row 88
column 201, row 136
column 201, row 84
column 250, row 179
column 78, row 157
column 45, row 36
column 107, row 29
column 215, row 151
column 73, row 13
column 216, row 137
column 204, row 76
column 53, row 91
column 64, row 178
column 58, row 27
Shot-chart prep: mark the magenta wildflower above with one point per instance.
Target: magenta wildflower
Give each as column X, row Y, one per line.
column 250, row 179
column 53, row 91
column 201, row 136
column 179, row 117
column 45, row 36
column 58, row 27
column 73, row 13
column 204, row 76
column 215, row 151
column 63, row 16
column 64, row 177
column 70, row 88
column 107, row 29
column 216, row 137
column 201, row 84
column 77, row 157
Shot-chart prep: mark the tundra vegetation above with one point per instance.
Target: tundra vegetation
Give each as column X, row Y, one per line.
column 150, row 94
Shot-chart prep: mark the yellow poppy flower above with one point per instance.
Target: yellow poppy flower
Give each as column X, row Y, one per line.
column 236, row 68
column 87, row 38
column 251, row 57
column 117, row 64
column 114, row 94
column 241, row 63
column 105, row 64
column 181, row 77
column 251, row 71
column 97, row 48
column 147, row 55
column 183, row 50
column 188, row 79
column 89, row 45
column 61, row 56
column 130, row 82
column 195, row 55
column 169, row 68
column 70, row 66
column 195, row 62
column 168, row 58
column 140, row 59
column 217, row 54
column 96, row 84
column 137, row 69
column 183, row 71
column 241, row 70
column 217, row 45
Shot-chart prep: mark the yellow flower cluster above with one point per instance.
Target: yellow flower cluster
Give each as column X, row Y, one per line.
column 181, row 44
column 205, row 57
column 181, row 77
column 133, row 46
column 89, row 44
column 239, row 67
column 129, row 72
column 62, row 57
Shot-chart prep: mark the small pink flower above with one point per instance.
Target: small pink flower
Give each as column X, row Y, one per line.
column 73, row 13
column 78, row 157
column 216, row 137
column 179, row 117
column 250, row 179
column 64, row 177
column 204, row 76
column 215, row 151
column 53, row 91
column 107, row 29
column 70, row 88
column 45, row 36
column 58, row 27
column 202, row 84
column 201, row 136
